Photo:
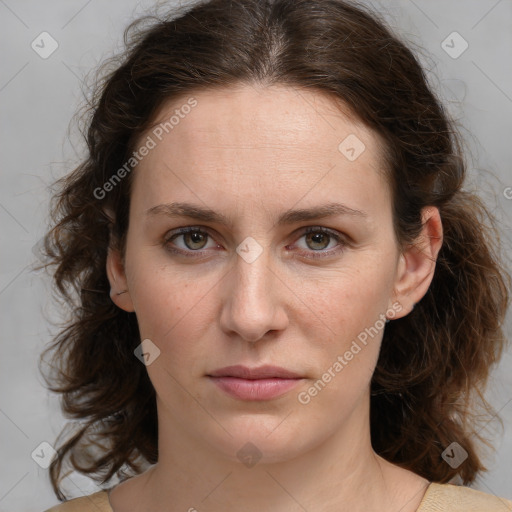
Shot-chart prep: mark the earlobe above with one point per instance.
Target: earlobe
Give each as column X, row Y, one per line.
column 119, row 292
column 417, row 263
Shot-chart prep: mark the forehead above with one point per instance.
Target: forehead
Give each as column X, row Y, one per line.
column 277, row 114
column 278, row 136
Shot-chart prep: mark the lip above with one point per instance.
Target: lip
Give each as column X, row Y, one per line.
column 262, row 383
column 261, row 372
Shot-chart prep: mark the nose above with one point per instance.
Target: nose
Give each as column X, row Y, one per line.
column 253, row 301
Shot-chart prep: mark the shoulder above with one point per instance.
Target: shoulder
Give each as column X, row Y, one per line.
column 97, row 502
column 455, row 498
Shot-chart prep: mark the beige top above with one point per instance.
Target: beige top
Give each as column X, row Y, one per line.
column 438, row 498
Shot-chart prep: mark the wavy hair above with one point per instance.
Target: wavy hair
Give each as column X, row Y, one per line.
column 433, row 364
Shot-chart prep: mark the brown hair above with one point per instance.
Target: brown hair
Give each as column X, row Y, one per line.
column 433, row 363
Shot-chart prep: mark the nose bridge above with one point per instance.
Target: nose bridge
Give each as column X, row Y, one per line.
column 252, row 306
column 253, row 275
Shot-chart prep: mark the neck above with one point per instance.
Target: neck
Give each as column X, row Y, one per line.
column 342, row 473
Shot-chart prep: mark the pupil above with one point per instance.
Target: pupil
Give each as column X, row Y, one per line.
column 316, row 238
column 196, row 237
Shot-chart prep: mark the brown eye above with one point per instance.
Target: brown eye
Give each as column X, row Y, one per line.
column 318, row 240
column 187, row 240
column 195, row 239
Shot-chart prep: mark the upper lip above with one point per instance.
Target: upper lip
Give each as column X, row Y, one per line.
column 261, row 372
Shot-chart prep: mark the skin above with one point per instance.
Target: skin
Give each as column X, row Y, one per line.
column 251, row 152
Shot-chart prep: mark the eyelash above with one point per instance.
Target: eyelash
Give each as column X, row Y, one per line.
column 311, row 229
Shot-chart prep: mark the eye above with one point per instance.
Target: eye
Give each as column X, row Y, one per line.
column 193, row 242
column 192, row 238
column 318, row 239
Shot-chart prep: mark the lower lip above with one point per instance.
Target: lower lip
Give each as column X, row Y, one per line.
column 255, row 389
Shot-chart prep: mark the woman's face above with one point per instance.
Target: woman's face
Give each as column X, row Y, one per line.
column 250, row 167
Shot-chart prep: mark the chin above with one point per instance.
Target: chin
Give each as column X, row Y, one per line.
column 258, row 439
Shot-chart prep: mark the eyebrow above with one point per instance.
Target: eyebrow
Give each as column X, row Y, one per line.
column 203, row 214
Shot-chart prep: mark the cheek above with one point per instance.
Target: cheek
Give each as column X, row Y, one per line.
column 343, row 356
column 169, row 303
column 349, row 299
column 346, row 322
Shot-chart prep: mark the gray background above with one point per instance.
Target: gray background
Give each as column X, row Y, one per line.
column 38, row 98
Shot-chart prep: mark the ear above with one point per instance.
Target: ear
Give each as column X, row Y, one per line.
column 119, row 292
column 418, row 262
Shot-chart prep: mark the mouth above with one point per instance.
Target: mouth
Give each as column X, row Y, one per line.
column 253, row 384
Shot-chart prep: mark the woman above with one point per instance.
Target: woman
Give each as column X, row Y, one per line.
column 286, row 299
